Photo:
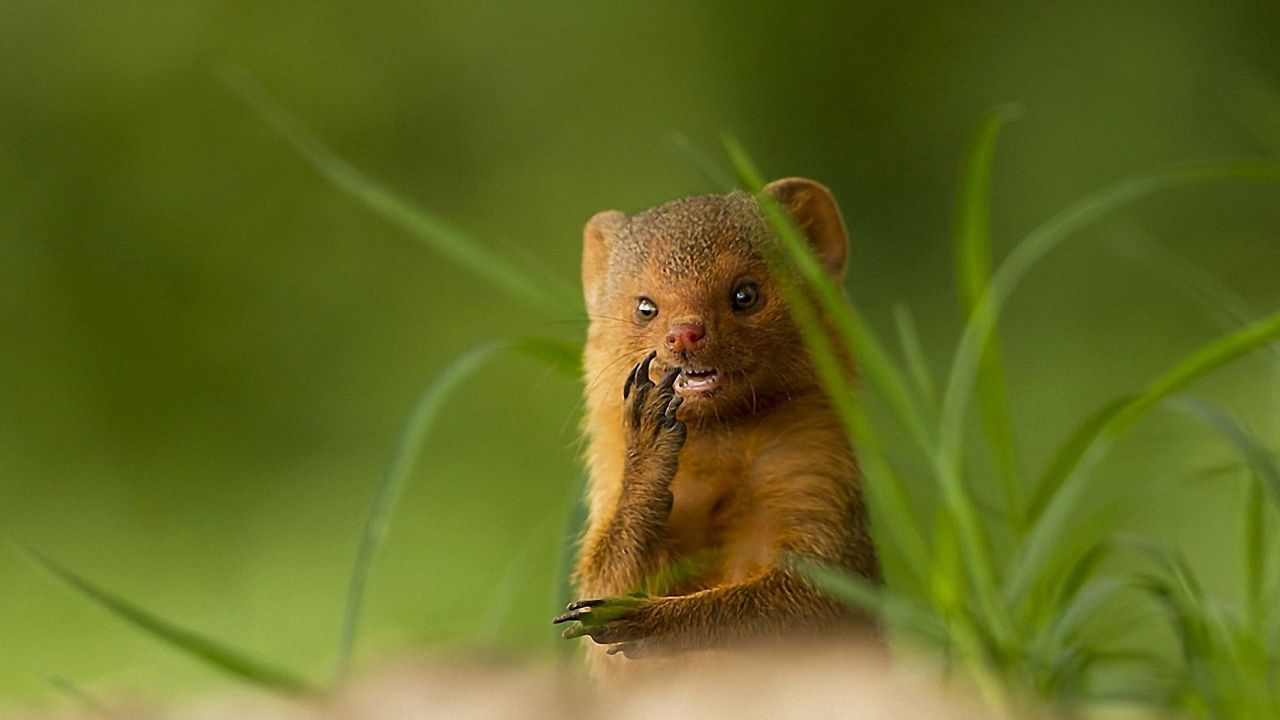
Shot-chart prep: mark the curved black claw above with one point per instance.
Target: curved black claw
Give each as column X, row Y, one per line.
column 598, row 618
column 639, row 377
column 667, row 385
column 631, row 380
column 672, row 406
column 570, row 616
column 577, row 610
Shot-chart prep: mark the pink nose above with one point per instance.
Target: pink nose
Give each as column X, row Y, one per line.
column 684, row 336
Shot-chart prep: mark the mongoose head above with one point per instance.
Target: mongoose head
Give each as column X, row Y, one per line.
column 688, row 279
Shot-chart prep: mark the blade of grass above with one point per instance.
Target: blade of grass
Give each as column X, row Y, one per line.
column 179, row 638
column 1266, row 478
column 1260, row 460
column 913, row 353
column 1178, row 592
column 1220, row 303
column 1087, row 600
column 904, row 614
column 1071, row 468
column 681, row 146
column 972, row 240
column 563, row 357
column 547, row 293
column 851, row 330
column 575, row 519
column 1071, row 452
column 885, row 488
column 965, row 366
column 1223, row 305
column 946, row 580
column 503, row 599
column 559, row 356
column 962, row 377
column 79, row 694
column 899, row 612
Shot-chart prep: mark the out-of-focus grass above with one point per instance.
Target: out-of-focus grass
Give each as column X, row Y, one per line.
column 207, row 349
column 1013, row 622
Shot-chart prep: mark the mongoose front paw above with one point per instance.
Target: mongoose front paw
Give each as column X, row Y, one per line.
column 607, row 621
column 649, row 413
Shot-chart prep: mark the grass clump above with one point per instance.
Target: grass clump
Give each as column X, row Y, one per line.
column 1013, row 621
column 1012, row 618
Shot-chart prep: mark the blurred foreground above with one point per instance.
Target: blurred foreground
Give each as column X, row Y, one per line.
column 831, row 683
column 206, row 350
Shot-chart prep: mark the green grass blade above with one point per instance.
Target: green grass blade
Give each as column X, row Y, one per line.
column 899, row 612
column 1089, row 599
column 1266, row 478
column 1072, row 465
column 853, row 332
column 1047, row 602
column 80, row 695
column 1219, row 302
column 1070, row 454
column 972, row 239
column 885, row 488
column 1175, row 588
column 681, row 146
column 559, row 356
column 962, row 378
column 505, row 594
column 179, row 638
column 1260, row 460
column 548, row 294
column 575, row 519
column 972, row 231
column 913, row 353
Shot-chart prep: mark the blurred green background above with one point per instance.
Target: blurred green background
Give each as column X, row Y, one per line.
column 206, row 350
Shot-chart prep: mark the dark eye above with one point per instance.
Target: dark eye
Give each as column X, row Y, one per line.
column 646, row 309
column 745, row 296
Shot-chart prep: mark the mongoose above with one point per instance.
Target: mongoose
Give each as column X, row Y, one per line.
column 713, row 454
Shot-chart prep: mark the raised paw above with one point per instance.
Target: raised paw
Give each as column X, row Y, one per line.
column 649, row 412
column 605, row 620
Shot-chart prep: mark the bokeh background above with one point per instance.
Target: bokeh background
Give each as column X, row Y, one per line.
column 206, row 350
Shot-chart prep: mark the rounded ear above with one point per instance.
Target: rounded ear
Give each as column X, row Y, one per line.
column 597, row 238
column 815, row 212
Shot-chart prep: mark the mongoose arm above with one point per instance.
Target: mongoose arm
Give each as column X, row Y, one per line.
column 627, row 556
column 775, row 602
column 772, row 605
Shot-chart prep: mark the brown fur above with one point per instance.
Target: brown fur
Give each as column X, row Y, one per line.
column 700, row 513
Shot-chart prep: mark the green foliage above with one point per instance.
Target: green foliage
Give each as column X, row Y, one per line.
column 437, row 235
column 973, row 270
column 1015, row 620
column 559, row 356
column 176, row 637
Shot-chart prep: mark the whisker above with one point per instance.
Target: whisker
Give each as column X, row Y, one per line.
column 599, row 376
column 608, row 317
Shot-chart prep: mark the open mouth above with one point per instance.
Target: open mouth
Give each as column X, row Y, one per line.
column 697, row 382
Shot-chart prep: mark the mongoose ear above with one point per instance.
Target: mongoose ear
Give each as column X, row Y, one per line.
column 597, row 238
column 815, row 212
